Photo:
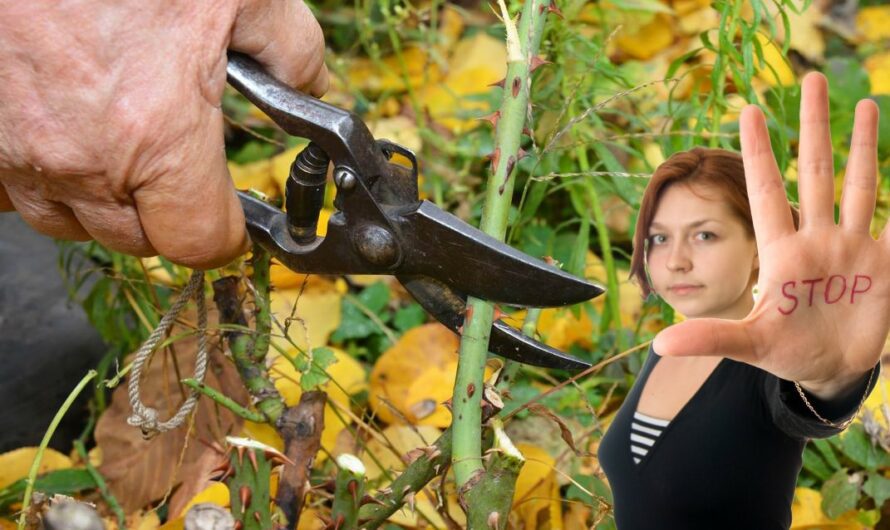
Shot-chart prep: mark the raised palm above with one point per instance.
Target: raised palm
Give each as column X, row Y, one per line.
column 824, row 310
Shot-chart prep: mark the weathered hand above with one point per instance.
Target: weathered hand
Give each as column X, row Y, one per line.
column 824, row 309
column 110, row 118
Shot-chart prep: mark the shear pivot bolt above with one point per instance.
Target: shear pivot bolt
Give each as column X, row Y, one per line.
column 377, row 245
column 344, row 179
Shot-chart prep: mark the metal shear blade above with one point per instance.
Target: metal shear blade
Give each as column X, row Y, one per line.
column 382, row 227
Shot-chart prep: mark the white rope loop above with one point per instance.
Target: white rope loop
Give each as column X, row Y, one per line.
column 145, row 417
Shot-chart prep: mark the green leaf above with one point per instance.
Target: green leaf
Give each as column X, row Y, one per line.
column 62, row 481
column 317, row 373
column 877, row 487
column 814, row 463
column 354, row 322
column 410, row 316
column 824, row 448
column 840, row 493
column 375, row 296
column 858, row 447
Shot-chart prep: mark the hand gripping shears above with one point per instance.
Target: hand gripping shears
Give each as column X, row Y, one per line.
column 382, row 227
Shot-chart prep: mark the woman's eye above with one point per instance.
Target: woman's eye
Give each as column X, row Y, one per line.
column 657, row 239
column 707, row 235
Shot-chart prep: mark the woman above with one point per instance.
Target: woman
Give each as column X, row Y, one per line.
column 711, row 434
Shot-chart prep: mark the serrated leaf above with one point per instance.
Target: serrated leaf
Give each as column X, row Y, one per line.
column 317, row 375
column 840, row 493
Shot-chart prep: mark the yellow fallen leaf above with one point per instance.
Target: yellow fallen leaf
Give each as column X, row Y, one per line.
column 774, row 69
column 6, row 524
column 403, row 439
column 268, row 176
column 476, row 62
column 216, row 493
column 316, row 317
column 699, row 20
column 806, row 31
column 283, row 278
column 398, row 129
column 136, row 521
column 878, row 68
column 16, row 464
column 415, row 376
column 156, row 271
column 873, row 22
column 806, row 513
column 420, row 66
column 648, row 39
column 536, row 499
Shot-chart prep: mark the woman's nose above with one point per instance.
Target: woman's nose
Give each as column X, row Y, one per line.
column 679, row 257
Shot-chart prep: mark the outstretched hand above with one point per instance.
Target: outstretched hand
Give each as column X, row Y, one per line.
column 111, row 125
column 823, row 312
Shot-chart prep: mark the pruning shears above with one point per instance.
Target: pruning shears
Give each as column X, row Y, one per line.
column 381, row 226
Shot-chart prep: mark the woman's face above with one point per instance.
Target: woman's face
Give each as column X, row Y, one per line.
column 701, row 259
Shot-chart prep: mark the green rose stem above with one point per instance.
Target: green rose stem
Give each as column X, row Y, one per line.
column 249, row 349
column 348, row 492
column 509, row 122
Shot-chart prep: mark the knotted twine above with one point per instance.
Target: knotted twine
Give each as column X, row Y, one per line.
column 145, row 417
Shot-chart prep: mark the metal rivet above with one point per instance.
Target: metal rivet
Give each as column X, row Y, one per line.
column 344, row 179
column 377, row 245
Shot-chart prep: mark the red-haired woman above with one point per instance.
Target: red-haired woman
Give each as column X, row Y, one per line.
column 783, row 335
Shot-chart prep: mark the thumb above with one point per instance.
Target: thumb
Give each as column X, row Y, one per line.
column 706, row 337
column 286, row 38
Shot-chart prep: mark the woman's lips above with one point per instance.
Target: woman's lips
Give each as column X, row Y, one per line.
column 685, row 289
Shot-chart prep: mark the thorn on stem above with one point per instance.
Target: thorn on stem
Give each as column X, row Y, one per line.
column 537, row 62
column 492, row 118
column 471, row 389
column 497, row 83
column 552, row 8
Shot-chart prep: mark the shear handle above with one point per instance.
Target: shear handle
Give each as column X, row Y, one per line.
column 340, row 133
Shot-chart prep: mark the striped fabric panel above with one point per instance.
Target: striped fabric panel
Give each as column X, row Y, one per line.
column 644, row 431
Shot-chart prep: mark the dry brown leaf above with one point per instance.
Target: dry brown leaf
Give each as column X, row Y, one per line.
column 139, row 471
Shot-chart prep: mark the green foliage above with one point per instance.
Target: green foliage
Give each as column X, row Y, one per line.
column 62, row 481
column 848, row 469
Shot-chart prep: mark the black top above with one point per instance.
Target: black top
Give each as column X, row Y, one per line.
column 729, row 459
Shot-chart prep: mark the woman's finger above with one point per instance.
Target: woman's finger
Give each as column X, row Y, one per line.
column 707, row 337
column 770, row 211
column 47, row 217
column 284, row 36
column 815, row 164
column 861, row 178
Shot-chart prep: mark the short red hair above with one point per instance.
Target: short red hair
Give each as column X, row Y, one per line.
column 719, row 168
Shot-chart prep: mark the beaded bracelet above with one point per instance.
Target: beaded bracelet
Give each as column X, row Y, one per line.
column 851, row 418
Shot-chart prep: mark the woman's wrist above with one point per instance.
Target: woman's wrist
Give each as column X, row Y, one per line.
column 837, row 387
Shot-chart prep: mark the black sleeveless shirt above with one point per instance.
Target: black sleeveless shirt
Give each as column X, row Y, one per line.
column 729, row 459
